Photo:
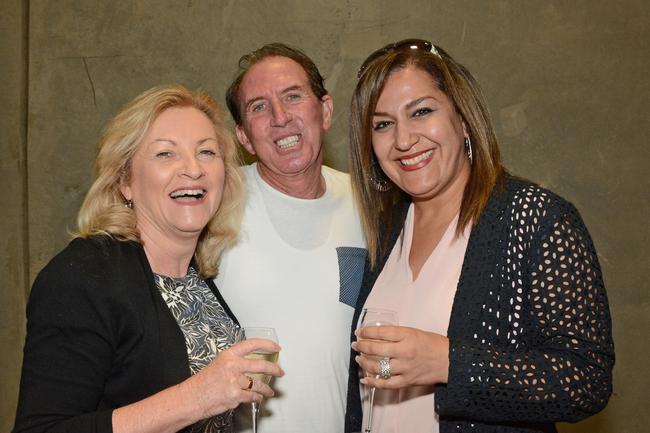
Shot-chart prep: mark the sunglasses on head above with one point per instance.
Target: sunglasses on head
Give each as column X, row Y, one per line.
column 403, row 45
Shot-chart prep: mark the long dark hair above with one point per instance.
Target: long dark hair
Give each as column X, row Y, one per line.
column 453, row 79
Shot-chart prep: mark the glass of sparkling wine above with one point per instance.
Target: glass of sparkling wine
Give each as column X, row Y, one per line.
column 267, row 334
column 374, row 317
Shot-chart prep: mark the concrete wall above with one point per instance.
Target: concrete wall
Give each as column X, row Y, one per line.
column 13, row 228
column 565, row 82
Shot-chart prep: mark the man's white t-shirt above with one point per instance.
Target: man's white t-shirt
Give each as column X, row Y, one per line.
column 298, row 268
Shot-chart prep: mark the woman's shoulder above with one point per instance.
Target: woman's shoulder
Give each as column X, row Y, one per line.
column 91, row 258
column 526, row 210
column 91, row 277
column 527, row 197
column 99, row 250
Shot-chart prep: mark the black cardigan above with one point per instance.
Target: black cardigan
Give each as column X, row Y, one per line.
column 99, row 336
column 530, row 328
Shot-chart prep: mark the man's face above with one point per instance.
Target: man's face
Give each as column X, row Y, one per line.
column 283, row 121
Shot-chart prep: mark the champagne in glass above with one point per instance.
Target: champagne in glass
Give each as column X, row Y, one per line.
column 374, row 317
column 265, row 356
column 268, row 334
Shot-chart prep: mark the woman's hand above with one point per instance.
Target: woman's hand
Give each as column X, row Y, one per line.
column 221, row 385
column 224, row 383
column 416, row 357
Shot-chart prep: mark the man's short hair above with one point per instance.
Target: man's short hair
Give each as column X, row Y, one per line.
column 275, row 49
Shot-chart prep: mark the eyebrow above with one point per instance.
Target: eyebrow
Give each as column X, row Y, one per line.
column 169, row 140
column 251, row 101
column 292, row 88
column 417, row 101
column 410, row 105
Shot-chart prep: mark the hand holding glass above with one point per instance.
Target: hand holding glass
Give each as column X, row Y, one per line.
column 374, row 317
column 268, row 334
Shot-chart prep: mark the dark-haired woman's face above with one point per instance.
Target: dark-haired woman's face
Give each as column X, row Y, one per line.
column 418, row 136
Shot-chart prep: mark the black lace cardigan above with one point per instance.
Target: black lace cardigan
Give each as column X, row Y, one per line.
column 530, row 328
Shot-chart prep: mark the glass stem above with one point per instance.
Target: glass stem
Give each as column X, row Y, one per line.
column 255, row 408
column 371, row 403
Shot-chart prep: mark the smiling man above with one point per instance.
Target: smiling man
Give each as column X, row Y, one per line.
column 299, row 263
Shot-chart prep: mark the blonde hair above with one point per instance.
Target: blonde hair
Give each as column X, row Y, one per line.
column 103, row 211
column 452, row 78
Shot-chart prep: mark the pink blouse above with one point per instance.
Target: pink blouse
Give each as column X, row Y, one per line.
column 424, row 304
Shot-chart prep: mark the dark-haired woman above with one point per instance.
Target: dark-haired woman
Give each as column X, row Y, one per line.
column 504, row 319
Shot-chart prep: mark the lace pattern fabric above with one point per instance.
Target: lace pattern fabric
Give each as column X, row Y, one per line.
column 543, row 348
column 207, row 329
column 530, row 330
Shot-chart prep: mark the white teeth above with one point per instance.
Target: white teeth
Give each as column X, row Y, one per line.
column 415, row 160
column 197, row 193
column 288, row 142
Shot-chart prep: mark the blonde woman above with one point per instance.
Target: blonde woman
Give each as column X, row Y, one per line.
column 126, row 331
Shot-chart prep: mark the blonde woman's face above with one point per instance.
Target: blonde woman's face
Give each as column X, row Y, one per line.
column 418, row 136
column 177, row 176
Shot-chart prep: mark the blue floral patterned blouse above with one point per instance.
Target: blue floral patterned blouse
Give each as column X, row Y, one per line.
column 207, row 329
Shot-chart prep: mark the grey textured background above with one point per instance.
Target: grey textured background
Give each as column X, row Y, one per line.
column 565, row 81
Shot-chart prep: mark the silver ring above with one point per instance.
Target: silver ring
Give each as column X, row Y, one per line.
column 384, row 368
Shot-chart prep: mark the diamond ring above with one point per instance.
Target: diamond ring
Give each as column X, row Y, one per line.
column 384, row 368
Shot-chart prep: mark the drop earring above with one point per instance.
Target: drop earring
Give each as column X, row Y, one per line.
column 377, row 177
column 468, row 149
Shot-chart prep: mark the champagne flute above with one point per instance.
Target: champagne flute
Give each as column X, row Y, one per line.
column 374, row 317
column 268, row 334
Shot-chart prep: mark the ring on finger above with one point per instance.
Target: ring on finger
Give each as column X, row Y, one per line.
column 384, row 367
column 250, row 383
